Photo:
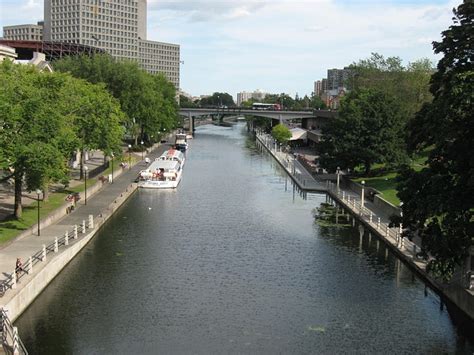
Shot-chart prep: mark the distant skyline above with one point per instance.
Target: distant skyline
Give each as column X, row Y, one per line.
column 281, row 45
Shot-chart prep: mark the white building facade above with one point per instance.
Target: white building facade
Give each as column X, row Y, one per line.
column 118, row 26
column 28, row 32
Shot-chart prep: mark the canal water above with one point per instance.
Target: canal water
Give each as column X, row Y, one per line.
column 234, row 262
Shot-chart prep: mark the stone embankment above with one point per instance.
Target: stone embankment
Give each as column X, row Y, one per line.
column 375, row 220
column 62, row 237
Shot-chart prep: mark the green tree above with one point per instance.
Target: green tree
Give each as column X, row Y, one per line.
column 368, row 129
column 185, row 102
column 438, row 201
column 34, row 134
column 218, row 99
column 145, row 98
column 281, row 133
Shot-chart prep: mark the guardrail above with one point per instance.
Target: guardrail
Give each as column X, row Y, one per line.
column 27, row 268
column 393, row 234
column 9, row 337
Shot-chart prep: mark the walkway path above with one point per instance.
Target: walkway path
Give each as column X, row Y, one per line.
column 376, row 221
column 96, row 205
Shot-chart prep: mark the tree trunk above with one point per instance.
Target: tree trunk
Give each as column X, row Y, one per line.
column 45, row 192
column 17, row 209
column 367, row 168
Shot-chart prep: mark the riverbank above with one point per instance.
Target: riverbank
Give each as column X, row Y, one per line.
column 44, row 256
column 375, row 221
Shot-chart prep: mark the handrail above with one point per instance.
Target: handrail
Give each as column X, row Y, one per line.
column 39, row 256
column 10, row 340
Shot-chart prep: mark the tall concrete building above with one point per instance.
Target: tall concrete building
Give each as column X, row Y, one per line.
column 117, row 26
column 337, row 78
column 27, row 32
column 318, row 86
column 244, row 96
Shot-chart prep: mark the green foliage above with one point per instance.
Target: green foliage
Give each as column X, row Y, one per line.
column 281, row 133
column 218, row 99
column 438, row 199
column 186, row 102
column 407, row 85
column 147, row 100
column 367, row 130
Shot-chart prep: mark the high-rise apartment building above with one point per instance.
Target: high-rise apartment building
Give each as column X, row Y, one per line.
column 318, row 86
column 337, row 78
column 117, row 26
column 28, row 32
column 244, row 96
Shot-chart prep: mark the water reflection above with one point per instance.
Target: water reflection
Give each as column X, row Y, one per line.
column 233, row 262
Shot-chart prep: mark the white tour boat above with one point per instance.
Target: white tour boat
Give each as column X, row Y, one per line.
column 161, row 174
column 174, row 155
column 181, row 142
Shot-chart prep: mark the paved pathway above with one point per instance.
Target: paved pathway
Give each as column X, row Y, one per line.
column 96, row 204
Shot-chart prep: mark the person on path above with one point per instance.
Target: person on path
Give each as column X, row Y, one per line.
column 18, row 268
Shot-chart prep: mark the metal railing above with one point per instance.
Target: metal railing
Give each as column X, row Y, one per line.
column 10, row 339
column 41, row 255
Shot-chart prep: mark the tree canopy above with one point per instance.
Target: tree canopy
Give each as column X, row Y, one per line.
column 218, row 99
column 368, row 129
column 147, row 100
column 438, row 201
column 281, row 133
column 44, row 117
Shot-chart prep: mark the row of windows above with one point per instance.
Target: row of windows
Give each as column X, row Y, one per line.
column 65, row 29
column 105, row 14
column 120, row 19
column 24, row 30
column 23, row 37
column 65, row 11
column 99, row 25
column 106, row 39
column 65, row 22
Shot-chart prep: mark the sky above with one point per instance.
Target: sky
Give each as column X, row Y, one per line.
column 278, row 46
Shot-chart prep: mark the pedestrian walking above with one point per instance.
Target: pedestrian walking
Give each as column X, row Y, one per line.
column 18, row 268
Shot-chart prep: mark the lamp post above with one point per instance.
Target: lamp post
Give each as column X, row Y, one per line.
column 401, row 217
column 112, row 161
column 85, row 184
column 338, row 172
column 129, row 156
column 362, row 195
column 38, row 193
column 142, row 149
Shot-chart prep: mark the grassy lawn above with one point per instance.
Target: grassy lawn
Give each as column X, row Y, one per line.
column 11, row 228
column 385, row 182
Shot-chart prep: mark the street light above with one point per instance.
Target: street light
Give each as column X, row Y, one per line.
column 129, row 156
column 338, row 172
column 85, row 184
column 112, row 160
column 38, row 193
column 362, row 195
column 401, row 218
column 142, row 149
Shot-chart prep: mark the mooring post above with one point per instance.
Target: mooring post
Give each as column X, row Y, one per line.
column 370, row 217
column 56, row 248
column 91, row 221
column 75, row 231
column 378, row 222
column 83, row 226
column 43, row 257
column 66, row 238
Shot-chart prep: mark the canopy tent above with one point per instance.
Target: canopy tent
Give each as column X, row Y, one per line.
column 298, row 133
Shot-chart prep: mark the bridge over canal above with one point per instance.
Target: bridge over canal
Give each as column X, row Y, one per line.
column 193, row 113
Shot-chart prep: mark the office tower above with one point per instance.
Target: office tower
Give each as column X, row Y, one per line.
column 27, row 32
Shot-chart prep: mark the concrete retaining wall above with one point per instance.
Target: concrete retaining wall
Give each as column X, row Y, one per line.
column 46, row 271
column 386, row 206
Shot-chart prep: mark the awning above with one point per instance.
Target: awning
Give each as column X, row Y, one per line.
column 298, row 133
